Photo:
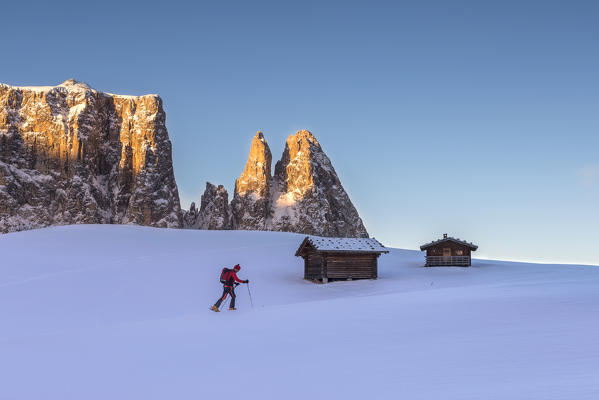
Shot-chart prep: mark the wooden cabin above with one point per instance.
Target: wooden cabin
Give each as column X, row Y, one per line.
column 448, row 252
column 333, row 259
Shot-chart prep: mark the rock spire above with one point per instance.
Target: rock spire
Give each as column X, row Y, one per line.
column 307, row 195
column 215, row 212
column 250, row 203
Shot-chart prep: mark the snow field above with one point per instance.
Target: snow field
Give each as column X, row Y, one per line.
column 121, row 312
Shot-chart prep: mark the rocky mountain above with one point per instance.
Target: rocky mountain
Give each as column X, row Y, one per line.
column 304, row 195
column 307, row 195
column 70, row 154
column 251, row 198
column 214, row 213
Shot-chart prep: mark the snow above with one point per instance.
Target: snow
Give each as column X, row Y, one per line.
column 69, row 84
column 75, row 86
column 132, row 97
column 286, row 200
column 26, row 175
column 76, row 110
column 32, row 88
column 449, row 239
column 346, row 244
column 284, row 208
column 121, row 312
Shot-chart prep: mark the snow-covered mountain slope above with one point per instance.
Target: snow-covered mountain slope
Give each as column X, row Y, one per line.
column 121, row 312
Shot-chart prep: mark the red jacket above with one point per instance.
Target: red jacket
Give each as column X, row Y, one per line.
column 231, row 277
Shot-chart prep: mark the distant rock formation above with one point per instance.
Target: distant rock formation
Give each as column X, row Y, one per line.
column 307, row 195
column 191, row 216
column 304, row 196
column 251, row 198
column 70, row 154
column 214, row 213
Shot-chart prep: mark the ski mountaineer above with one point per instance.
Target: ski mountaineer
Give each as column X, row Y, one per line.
column 230, row 280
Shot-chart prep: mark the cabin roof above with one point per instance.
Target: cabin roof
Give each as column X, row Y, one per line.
column 343, row 245
column 446, row 238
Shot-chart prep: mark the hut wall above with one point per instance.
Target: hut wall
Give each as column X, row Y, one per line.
column 313, row 266
column 437, row 250
column 346, row 266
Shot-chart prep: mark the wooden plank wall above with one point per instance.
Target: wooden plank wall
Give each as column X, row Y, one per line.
column 340, row 266
column 351, row 266
column 313, row 266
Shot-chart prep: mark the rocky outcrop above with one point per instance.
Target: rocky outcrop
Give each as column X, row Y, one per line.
column 304, row 196
column 250, row 203
column 70, row 154
column 191, row 217
column 214, row 213
column 307, row 196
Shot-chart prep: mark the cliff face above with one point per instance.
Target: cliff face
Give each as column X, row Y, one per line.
column 251, row 198
column 307, row 195
column 70, row 154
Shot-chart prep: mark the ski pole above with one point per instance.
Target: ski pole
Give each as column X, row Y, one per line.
column 250, row 293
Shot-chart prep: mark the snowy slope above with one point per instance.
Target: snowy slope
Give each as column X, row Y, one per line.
column 120, row 312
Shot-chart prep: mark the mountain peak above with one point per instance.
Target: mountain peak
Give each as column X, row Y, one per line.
column 307, row 196
column 250, row 200
column 75, row 85
column 303, row 135
column 256, row 174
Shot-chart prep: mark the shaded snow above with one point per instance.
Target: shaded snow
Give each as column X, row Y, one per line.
column 97, row 312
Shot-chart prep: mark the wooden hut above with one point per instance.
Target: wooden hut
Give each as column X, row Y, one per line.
column 448, row 252
column 332, row 259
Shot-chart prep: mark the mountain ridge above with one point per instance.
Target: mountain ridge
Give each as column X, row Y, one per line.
column 71, row 154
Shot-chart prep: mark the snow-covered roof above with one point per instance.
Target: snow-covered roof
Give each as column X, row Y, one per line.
column 446, row 238
column 343, row 245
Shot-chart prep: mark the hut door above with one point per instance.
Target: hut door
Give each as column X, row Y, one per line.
column 446, row 252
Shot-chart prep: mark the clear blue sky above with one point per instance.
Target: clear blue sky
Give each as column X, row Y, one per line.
column 479, row 119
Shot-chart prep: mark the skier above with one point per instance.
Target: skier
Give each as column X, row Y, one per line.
column 230, row 280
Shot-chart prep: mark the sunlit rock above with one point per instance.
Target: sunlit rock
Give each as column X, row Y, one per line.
column 70, row 154
column 307, row 196
column 250, row 202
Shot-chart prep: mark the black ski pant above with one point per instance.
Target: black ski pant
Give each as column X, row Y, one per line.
column 226, row 290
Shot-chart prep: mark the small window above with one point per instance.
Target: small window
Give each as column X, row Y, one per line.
column 460, row 252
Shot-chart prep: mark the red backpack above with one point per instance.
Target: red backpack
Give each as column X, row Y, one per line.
column 223, row 275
